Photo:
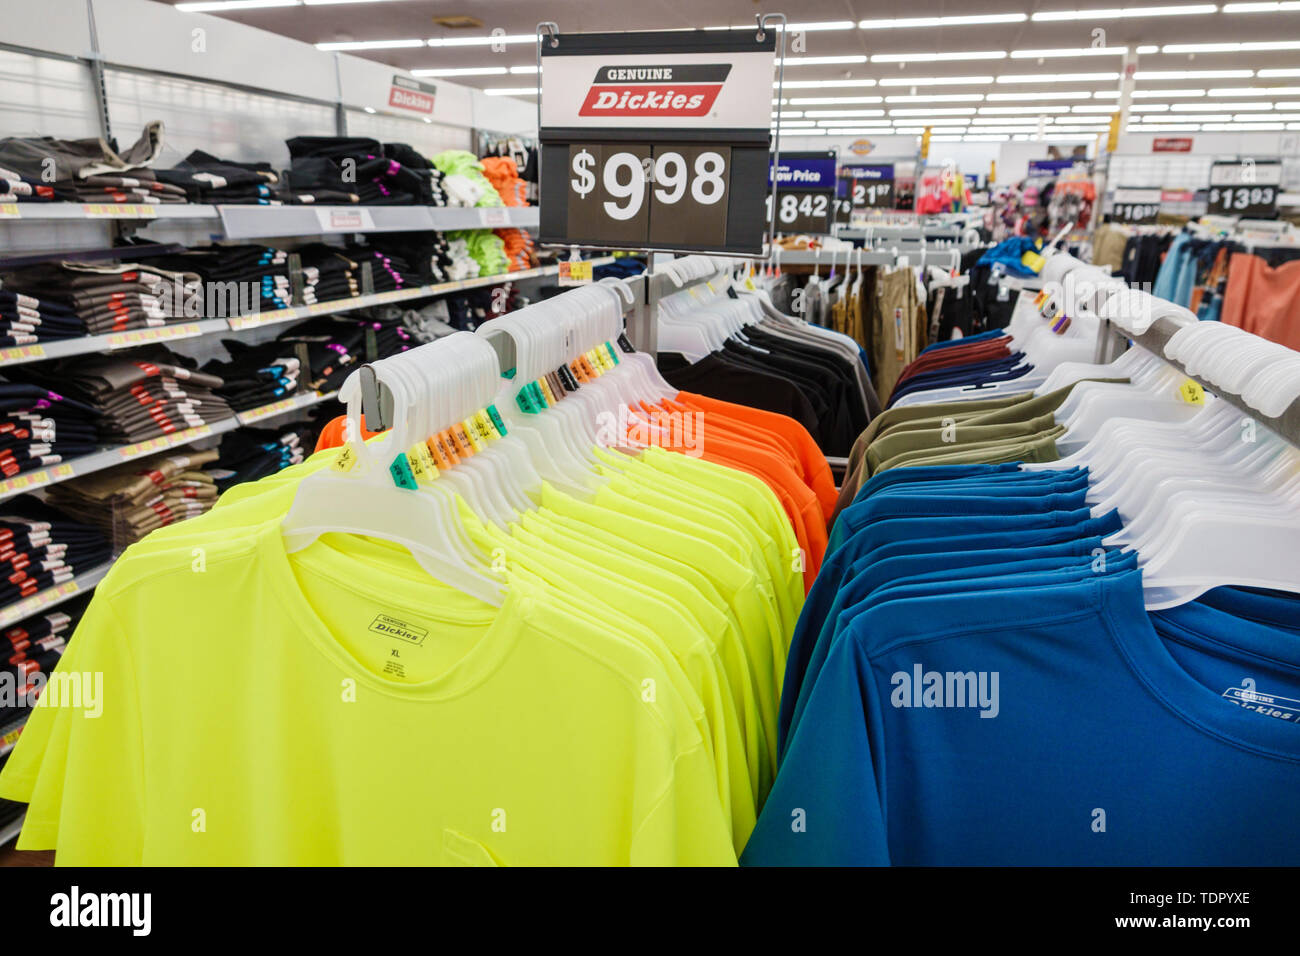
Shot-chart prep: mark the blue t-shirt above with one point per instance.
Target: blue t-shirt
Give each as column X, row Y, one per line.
column 1058, row 725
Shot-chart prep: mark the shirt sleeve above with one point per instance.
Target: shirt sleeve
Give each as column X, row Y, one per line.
column 826, row 808
column 83, row 774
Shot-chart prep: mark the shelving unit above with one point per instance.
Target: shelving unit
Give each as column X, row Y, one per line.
column 23, row 354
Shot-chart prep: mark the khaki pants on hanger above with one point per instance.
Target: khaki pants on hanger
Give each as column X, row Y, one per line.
column 894, row 327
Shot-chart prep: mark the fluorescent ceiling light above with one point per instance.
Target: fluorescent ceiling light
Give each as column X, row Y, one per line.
column 822, row 84
column 530, row 68
column 1241, row 127
column 1115, row 13
column 1193, row 74
column 936, row 81
column 933, row 120
column 934, row 57
column 1026, row 121
column 1069, row 51
column 371, row 45
column 1093, row 108
column 1263, row 73
column 1021, row 110
column 812, row 113
column 856, row 131
column 821, row 60
column 225, row 6
column 482, row 40
column 1145, row 50
column 946, row 139
column 1259, row 7
column 1230, row 47
column 864, row 123
column 830, row 100
column 942, row 21
column 1037, row 95
column 807, row 27
column 328, row 3
column 1151, row 94
column 463, row 71
column 511, row 91
column 948, row 111
column 1219, row 107
column 1256, row 91
column 369, row 109
column 1057, row 77
column 936, row 98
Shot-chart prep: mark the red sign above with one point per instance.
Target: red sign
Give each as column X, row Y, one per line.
column 1171, row 144
column 669, row 90
column 410, row 95
column 1177, row 195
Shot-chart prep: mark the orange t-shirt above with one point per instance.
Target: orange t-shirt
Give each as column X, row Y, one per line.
column 331, row 436
column 1263, row 300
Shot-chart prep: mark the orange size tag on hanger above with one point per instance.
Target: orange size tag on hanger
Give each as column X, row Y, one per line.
column 439, row 453
column 579, row 372
column 449, row 446
column 1192, row 392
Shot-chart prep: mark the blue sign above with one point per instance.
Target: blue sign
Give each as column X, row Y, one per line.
column 1052, row 167
column 874, row 171
column 799, row 173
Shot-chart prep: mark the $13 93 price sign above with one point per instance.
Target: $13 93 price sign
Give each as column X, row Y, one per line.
column 649, row 195
column 1252, row 202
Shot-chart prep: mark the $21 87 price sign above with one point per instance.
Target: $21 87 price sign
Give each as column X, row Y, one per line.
column 672, row 195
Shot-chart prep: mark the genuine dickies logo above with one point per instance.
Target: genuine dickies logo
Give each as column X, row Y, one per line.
column 675, row 90
column 392, row 627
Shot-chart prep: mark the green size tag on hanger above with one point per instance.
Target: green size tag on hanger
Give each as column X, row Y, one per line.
column 612, row 354
column 400, row 469
column 497, row 421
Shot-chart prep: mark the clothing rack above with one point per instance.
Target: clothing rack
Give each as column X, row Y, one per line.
column 1112, row 339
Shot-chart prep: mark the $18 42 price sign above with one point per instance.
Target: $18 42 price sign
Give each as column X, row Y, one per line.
column 675, row 195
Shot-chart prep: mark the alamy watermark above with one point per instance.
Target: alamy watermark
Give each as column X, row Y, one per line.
column 921, row 688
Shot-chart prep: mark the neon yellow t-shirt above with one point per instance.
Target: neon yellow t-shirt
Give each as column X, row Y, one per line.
column 336, row 714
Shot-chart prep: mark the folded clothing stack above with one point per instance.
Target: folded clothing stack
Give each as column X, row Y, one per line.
column 88, row 170
column 206, row 179
column 485, row 248
column 503, row 174
column 261, row 275
column 41, row 547
column 15, row 187
column 421, row 256
column 463, row 179
column 461, row 264
column 336, row 343
column 255, row 374
column 127, row 502
column 329, row 273
column 62, row 300
column 33, row 647
column 144, row 394
column 252, row 453
column 344, row 169
column 39, row 427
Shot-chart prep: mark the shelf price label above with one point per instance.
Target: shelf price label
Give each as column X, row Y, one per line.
column 656, row 143
column 870, row 187
column 10, row 210
column 806, row 189
column 119, row 211
column 1247, row 188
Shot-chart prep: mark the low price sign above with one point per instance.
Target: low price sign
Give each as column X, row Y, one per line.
column 1246, row 188
column 871, row 186
column 805, row 193
column 655, row 143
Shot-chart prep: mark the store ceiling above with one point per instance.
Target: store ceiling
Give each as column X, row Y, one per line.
column 965, row 78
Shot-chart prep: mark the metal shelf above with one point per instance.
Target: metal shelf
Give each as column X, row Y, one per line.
column 23, row 354
column 257, row 222
column 11, row 614
column 117, row 454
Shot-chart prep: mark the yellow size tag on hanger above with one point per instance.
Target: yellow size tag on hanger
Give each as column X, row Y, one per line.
column 749, row 284
column 483, row 425
column 416, row 461
column 472, row 434
column 1191, row 392
column 346, row 460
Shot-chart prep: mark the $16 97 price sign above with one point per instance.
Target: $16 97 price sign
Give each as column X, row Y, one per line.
column 649, row 195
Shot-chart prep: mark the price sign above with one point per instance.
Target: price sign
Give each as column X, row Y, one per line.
column 872, row 186
column 1246, row 188
column 800, row 211
column 805, row 192
column 1136, row 206
column 654, row 144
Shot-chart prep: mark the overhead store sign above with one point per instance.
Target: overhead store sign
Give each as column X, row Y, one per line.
column 805, row 192
column 1171, row 144
column 1247, row 188
column 656, row 141
column 412, row 95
